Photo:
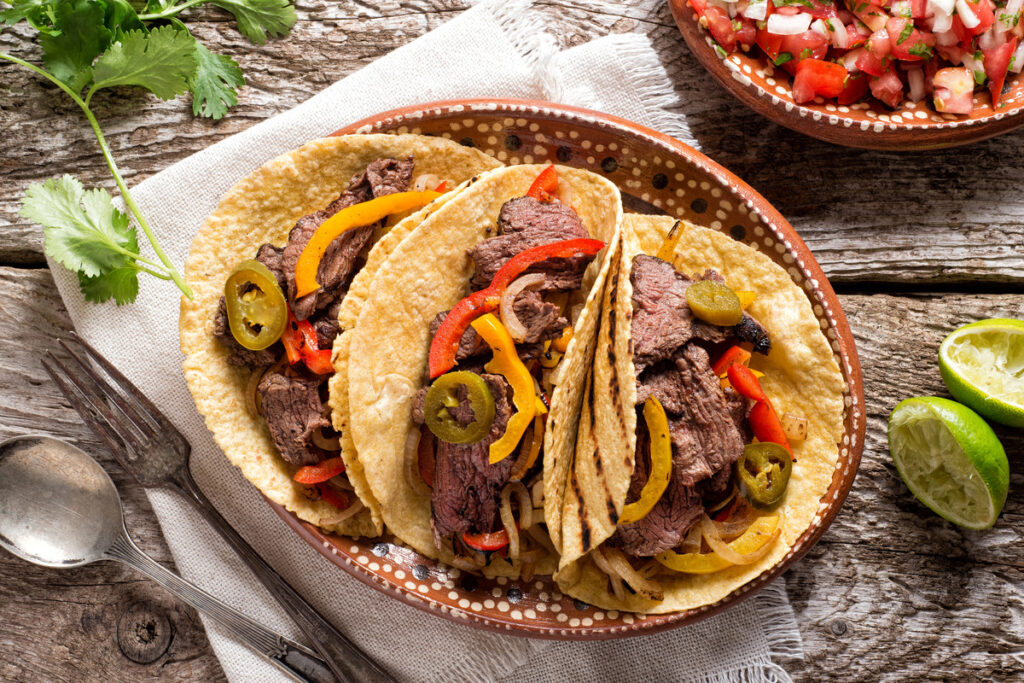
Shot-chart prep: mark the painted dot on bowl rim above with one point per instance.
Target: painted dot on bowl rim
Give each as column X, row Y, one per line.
column 562, row 618
column 464, row 603
column 503, row 606
column 452, row 595
column 489, row 604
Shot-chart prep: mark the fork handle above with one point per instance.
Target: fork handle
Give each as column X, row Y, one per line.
column 343, row 657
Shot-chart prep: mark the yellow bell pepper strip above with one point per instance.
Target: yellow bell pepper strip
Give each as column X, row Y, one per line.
column 562, row 343
column 661, row 464
column 506, row 363
column 667, row 250
column 763, row 531
column 355, row 216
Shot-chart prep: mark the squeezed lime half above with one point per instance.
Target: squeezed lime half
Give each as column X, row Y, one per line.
column 982, row 365
column 950, row 459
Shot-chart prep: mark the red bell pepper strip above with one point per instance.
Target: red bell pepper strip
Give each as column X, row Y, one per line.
column 319, row 473
column 425, row 456
column 333, row 496
column 766, row 425
column 744, row 381
column 733, row 356
column 443, row 187
column 545, row 184
column 446, row 341
column 300, row 344
column 486, row 542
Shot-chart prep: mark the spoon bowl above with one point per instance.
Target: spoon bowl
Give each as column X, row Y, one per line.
column 58, row 507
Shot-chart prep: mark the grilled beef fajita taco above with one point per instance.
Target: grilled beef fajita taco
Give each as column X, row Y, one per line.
column 709, row 426
column 465, row 365
column 271, row 269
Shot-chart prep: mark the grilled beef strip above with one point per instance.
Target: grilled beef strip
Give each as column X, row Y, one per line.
column 293, row 410
column 381, row 177
column 663, row 321
column 467, row 488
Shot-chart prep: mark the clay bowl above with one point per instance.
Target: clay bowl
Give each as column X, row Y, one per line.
column 656, row 174
column 753, row 79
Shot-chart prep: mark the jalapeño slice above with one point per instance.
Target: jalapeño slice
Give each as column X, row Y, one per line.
column 714, row 303
column 765, row 468
column 445, row 394
column 257, row 311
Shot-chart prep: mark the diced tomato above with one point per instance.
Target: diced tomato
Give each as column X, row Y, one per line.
column 806, row 45
column 962, row 34
column 888, row 88
column 869, row 64
column 954, row 90
column 985, row 11
column 906, row 42
column 746, row 34
column 997, row 63
column 856, row 37
column 770, row 43
column 817, row 77
column 879, row 44
column 953, row 53
column 822, row 9
column 699, row 6
column 721, row 28
column 918, row 8
column 856, row 88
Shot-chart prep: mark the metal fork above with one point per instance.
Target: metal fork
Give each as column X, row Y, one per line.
column 153, row 451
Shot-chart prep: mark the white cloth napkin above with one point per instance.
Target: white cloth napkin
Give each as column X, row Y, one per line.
column 496, row 49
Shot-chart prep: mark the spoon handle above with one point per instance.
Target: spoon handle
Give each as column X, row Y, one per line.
column 292, row 658
column 343, row 657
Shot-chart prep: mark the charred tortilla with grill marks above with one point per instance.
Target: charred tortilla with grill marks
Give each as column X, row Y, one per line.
column 263, row 208
column 801, row 377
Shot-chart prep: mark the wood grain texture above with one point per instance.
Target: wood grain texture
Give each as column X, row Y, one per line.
column 891, row 593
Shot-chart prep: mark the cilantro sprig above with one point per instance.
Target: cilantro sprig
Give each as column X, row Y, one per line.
column 91, row 45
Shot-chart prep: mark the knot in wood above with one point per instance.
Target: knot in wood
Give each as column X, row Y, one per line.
column 143, row 633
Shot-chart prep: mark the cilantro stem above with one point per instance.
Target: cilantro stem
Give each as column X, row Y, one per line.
column 171, row 11
column 168, row 267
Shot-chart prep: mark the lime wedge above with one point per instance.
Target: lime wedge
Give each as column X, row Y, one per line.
column 950, row 459
column 982, row 364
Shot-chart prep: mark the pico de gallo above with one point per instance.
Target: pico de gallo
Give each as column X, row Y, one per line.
column 889, row 50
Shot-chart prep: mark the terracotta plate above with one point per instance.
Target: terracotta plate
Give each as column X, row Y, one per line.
column 753, row 79
column 657, row 174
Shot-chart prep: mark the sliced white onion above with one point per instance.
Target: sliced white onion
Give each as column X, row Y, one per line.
column 795, row 426
column 691, row 544
column 328, row 444
column 1012, row 7
column 537, row 493
column 974, row 64
column 1018, row 59
column 613, row 563
column 819, row 27
column 967, row 16
column 351, row 510
column 790, row 24
column 992, row 38
column 509, row 522
column 412, row 463
column 756, row 10
column 840, row 36
column 943, row 6
column 851, row 57
column 508, row 299
column 723, row 550
column 901, row 8
column 425, row 181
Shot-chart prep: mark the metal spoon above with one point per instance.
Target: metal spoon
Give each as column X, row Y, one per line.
column 58, row 508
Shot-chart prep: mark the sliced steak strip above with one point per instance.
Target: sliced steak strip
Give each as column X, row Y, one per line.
column 542, row 320
column 467, row 487
column 293, row 411
column 273, row 258
column 705, row 440
column 381, row 177
column 663, row 321
column 523, row 223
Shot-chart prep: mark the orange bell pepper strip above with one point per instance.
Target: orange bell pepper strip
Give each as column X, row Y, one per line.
column 321, row 472
column 734, row 355
column 355, row 216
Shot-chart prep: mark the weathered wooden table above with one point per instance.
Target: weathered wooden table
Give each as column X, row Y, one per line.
column 916, row 244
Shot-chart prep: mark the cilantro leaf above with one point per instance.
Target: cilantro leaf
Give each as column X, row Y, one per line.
column 120, row 284
column 121, row 16
column 905, row 33
column 782, row 58
column 34, row 11
column 921, row 50
column 83, row 230
column 214, row 82
column 81, row 36
column 160, row 61
column 257, row 18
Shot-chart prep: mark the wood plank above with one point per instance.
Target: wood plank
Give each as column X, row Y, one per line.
column 103, row 621
column 953, row 217
column 891, row 587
